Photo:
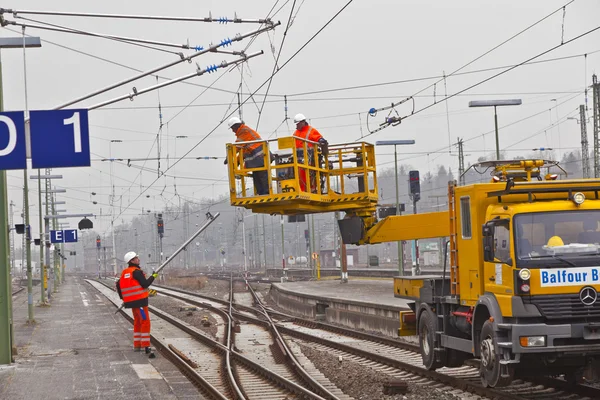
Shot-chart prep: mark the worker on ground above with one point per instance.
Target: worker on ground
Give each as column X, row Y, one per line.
column 307, row 132
column 133, row 290
column 254, row 156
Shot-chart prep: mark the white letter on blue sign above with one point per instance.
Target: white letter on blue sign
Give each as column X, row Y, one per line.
column 12, row 135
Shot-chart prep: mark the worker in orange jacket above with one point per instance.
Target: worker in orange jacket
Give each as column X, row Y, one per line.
column 254, row 156
column 132, row 288
column 307, row 132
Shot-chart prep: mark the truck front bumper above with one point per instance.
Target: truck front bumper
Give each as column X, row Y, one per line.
column 568, row 339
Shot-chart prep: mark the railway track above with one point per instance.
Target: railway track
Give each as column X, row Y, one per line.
column 398, row 359
column 218, row 369
column 17, row 290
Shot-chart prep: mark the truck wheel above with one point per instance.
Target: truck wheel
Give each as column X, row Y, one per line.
column 490, row 359
column 426, row 340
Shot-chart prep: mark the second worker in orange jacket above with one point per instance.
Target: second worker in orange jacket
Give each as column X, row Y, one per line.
column 307, row 132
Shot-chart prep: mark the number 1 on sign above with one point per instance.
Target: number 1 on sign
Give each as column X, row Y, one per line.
column 74, row 120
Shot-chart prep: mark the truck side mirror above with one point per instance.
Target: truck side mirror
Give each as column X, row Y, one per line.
column 487, row 234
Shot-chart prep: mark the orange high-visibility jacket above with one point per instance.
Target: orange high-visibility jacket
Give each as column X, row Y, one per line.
column 247, row 134
column 308, row 133
column 131, row 290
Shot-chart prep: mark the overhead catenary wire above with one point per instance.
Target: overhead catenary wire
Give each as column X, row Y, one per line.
column 64, row 29
column 501, row 73
column 276, row 65
column 199, row 72
column 58, row 28
column 225, row 42
column 220, row 20
column 443, row 149
column 584, row 55
column 263, row 84
column 486, row 53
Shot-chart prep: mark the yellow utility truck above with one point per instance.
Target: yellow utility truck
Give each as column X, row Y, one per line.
column 521, row 290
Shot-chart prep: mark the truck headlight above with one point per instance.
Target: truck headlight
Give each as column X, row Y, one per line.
column 532, row 341
column 578, row 198
column 525, row 274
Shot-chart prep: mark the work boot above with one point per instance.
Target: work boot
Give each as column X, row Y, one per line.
column 150, row 352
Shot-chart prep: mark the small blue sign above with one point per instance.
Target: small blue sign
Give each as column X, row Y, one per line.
column 60, row 138
column 70, row 235
column 12, row 140
column 56, row 237
column 65, row 236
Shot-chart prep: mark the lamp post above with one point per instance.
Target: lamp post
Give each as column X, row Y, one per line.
column 6, row 322
column 495, row 104
column 396, row 143
column 112, row 208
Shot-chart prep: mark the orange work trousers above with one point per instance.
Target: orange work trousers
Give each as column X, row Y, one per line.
column 141, row 327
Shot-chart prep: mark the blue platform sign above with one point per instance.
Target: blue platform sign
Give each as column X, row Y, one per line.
column 60, row 138
column 64, row 236
column 12, row 140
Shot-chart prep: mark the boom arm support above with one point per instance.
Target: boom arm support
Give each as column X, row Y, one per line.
column 397, row 227
column 409, row 227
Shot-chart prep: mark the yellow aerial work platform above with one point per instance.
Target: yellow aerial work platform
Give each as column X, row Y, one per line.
column 343, row 179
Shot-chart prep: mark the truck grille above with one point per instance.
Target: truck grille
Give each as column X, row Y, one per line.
column 564, row 306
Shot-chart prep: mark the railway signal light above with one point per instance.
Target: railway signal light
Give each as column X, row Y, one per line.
column 160, row 225
column 415, row 185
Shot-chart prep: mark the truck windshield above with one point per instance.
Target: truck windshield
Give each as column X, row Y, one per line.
column 564, row 233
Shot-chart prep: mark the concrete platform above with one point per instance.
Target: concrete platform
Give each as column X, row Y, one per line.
column 361, row 304
column 79, row 349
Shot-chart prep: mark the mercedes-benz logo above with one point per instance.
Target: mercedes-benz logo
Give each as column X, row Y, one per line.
column 588, row 295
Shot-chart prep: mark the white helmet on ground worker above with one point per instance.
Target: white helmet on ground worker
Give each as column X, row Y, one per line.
column 130, row 256
column 299, row 118
column 234, row 120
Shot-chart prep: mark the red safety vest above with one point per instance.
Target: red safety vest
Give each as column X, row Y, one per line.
column 131, row 290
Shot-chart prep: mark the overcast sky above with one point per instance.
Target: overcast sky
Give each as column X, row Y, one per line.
column 371, row 44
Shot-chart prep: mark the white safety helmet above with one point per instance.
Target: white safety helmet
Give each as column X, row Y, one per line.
column 234, row 120
column 299, row 117
column 130, row 256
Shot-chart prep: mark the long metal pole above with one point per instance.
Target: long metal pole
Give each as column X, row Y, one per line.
column 211, row 218
column 244, row 244
column 42, row 240
column 189, row 58
column 5, row 277
column 312, row 239
column 309, row 244
column 28, row 249
column 62, row 265
column 114, row 247
column 54, row 255
column 497, row 139
column 272, row 242
column 47, row 269
column 264, row 242
column 283, row 249
column 399, row 243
